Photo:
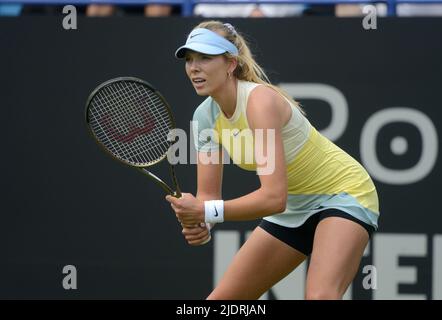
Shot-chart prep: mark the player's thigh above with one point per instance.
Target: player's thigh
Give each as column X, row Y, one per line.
column 261, row 262
column 338, row 247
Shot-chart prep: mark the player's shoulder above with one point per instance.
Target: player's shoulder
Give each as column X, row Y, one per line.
column 265, row 100
column 264, row 95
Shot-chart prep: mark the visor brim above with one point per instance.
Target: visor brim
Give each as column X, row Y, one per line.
column 198, row 47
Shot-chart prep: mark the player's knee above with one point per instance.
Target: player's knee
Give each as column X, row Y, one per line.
column 218, row 295
column 229, row 294
column 323, row 294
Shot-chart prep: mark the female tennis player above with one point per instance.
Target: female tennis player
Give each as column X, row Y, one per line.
column 316, row 201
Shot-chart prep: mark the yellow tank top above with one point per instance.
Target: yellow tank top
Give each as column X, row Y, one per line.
column 320, row 175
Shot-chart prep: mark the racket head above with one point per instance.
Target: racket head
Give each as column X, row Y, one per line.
column 130, row 120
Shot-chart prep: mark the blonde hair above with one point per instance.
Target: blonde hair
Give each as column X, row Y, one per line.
column 248, row 69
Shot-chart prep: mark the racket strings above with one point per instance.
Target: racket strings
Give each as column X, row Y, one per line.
column 131, row 121
column 128, row 103
column 125, row 124
column 131, row 111
column 118, row 125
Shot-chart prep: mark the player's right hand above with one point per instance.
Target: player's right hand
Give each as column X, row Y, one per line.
column 196, row 235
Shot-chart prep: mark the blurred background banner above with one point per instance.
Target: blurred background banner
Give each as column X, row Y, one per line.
column 66, row 203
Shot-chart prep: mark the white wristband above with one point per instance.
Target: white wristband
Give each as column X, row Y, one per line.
column 214, row 211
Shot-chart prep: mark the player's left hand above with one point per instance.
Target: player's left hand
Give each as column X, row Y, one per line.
column 197, row 235
column 188, row 209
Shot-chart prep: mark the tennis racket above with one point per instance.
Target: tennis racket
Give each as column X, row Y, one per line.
column 131, row 121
